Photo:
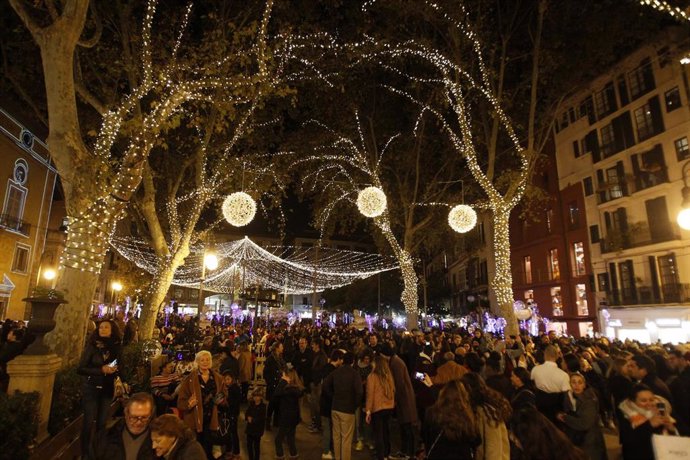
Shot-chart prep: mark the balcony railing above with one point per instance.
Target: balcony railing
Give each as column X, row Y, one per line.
column 646, row 295
column 13, row 224
column 638, row 234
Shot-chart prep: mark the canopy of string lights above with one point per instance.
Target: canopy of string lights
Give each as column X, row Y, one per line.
column 288, row 269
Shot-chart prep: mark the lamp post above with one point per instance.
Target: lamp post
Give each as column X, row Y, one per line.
column 116, row 288
column 210, row 262
column 683, row 218
column 50, row 275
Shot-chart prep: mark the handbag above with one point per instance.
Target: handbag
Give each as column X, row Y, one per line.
column 121, row 389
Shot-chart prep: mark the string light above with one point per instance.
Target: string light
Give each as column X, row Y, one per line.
column 292, row 270
column 371, row 202
column 462, row 218
column 665, row 7
column 239, row 209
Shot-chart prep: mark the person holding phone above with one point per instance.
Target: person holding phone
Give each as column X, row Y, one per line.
column 643, row 414
column 98, row 365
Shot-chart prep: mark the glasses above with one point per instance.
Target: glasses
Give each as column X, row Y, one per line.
column 140, row 419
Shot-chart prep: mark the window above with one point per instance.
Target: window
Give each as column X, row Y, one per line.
column 483, row 272
column 605, row 101
column 603, row 279
column 527, row 264
column 573, row 215
column 627, row 278
column 644, row 122
column 556, row 302
column 641, row 79
column 613, row 180
column 581, row 296
column 608, row 140
column 579, row 259
column 649, row 168
column 14, row 202
column 20, row 263
column 549, row 220
column 594, row 233
column 576, row 148
column 682, row 149
column 672, row 98
column 529, row 294
column 482, row 236
column 554, row 269
column 588, row 185
column 670, row 282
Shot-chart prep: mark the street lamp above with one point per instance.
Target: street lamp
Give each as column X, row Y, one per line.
column 49, row 274
column 116, row 288
column 210, row 262
column 683, row 218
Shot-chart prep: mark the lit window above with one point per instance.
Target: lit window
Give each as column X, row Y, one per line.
column 581, row 293
column 554, row 269
column 527, row 261
column 579, row 259
column 549, row 219
column 672, row 98
column 556, row 302
column 682, row 149
column 644, row 122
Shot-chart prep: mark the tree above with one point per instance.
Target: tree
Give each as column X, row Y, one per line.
column 100, row 177
column 410, row 180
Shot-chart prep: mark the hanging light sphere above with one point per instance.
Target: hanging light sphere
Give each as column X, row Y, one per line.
column 462, row 218
column 239, row 209
column 371, row 202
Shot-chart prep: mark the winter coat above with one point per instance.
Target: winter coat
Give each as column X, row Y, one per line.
column 344, row 387
column 376, row 397
column 108, row 444
column 439, row 447
column 187, row 449
column 495, row 444
column 96, row 355
column 273, row 370
column 584, row 421
column 287, row 398
column 194, row 417
column 405, row 406
column 245, row 366
column 258, row 414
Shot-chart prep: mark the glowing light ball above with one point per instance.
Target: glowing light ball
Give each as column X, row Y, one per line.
column 684, row 219
column 462, row 218
column 151, row 349
column 239, row 209
column 371, row 202
column 522, row 315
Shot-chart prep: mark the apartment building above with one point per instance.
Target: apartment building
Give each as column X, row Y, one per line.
column 26, row 196
column 622, row 155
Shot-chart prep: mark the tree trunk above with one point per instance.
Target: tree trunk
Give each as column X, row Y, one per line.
column 503, row 278
column 156, row 296
column 409, row 295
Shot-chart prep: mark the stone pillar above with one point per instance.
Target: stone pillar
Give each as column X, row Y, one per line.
column 30, row 373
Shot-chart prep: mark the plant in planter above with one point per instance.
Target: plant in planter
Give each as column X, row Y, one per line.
column 18, row 424
column 66, row 403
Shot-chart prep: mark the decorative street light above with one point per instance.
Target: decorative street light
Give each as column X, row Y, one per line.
column 211, row 263
column 116, row 288
column 49, row 274
column 683, row 218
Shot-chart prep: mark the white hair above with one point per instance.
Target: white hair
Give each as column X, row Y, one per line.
column 203, row 353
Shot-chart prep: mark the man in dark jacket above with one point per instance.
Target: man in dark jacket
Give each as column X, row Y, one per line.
column 319, row 361
column 643, row 369
column 302, row 361
column 231, row 362
column 273, row 371
column 679, row 389
column 129, row 438
column 344, row 388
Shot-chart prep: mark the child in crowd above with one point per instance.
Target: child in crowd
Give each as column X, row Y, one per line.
column 229, row 414
column 256, row 422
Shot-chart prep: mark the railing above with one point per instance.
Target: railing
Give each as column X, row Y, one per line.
column 637, row 235
column 12, row 223
column 646, row 295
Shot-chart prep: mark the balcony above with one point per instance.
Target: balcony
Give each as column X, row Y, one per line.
column 637, row 235
column 646, row 295
column 13, row 224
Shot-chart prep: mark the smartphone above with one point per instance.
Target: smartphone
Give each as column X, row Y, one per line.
column 113, row 364
column 419, row 375
column 661, row 407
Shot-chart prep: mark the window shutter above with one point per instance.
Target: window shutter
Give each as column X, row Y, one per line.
column 592, row 142
column 648, row 74
column 636, row 171
column 657, row 117
column 601, row 185
column 623, row 90
column 623, row 219
column 656, row 289
column 610, row 95
column 607, row 220
column 620, row 172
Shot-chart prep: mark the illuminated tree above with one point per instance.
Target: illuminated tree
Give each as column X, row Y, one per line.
column 404, row 171
column 100, row 176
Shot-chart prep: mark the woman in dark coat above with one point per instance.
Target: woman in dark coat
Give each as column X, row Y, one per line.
column 99, row 365
column 287, row 395
column 523, row 396
column 450, row 428
column 582, row 419
column 173, row 440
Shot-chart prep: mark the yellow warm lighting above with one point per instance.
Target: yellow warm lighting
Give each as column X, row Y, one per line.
column 211, row 261
column 683, row 219
column 49, row 274
column 117, row 286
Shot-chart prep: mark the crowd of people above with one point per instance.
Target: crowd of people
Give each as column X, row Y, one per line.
column 449, row 394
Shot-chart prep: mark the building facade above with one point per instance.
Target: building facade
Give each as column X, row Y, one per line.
column 622, row 153
column 26, row 192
